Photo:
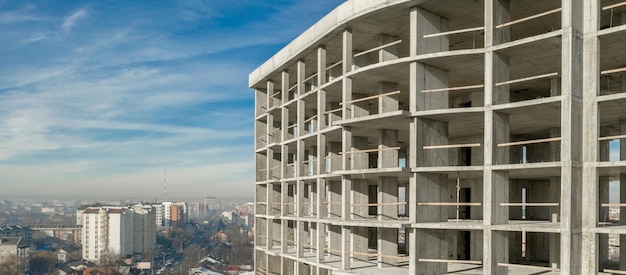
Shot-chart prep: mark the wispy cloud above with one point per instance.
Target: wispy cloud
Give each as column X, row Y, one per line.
column 134, row 92
column 21, row 15
column 71, row 20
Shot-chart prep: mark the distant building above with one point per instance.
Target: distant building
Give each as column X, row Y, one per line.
column 178, row 215
column 144, row 228
column 117, row 230
column 13, row 246
column 71, row 233
column 170, row 214
column 24, row 232
column 210, row 203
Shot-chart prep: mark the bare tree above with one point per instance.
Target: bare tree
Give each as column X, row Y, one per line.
column 192, row 256
column 13, row 265
column 110, row 261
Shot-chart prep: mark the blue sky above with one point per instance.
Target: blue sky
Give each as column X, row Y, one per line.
column 98, row 98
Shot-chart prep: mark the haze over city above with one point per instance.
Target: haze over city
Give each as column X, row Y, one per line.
column 98, row 98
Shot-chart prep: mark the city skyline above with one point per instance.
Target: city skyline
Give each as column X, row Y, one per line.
column 102, row 97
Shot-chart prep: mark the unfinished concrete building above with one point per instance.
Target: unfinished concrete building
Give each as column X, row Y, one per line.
column 445, row 137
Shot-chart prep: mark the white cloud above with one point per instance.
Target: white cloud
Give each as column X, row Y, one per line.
column 70, row 21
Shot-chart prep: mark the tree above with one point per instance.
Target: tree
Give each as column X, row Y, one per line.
column 42, row 262
column 110, row 261
column 192, row 254
column 12, row 265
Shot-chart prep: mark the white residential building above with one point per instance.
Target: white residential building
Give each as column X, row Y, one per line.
column 118, row 231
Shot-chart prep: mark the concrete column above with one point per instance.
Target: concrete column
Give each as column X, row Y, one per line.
column 622, row 196
column 412, row 199
column 303, row 269
column 500, row 15
column 301, row 238
column 346, row 233
column 603, row 215
column 430, row 244
column 388, row 195
column 555, row 245
column 284, row 86
column 335, row 198
column 321, row 198
column 431, row 132
column 555, row 147
column 388, row 246
column 301, row 196
column 622, row 142
column 501, row 134
column 270, row 210
column 590, row 89
column 347, row 55
column 496, row 242
column 555, row 86
column 429, row 23
column 360, row 160
column 360, row 198
column 321, row 242
column 388, row 103
column 431, row 188
column 411, row 246
column 321, row 214
column 346, row 204
column 321, row 66
column 334, row 158
column 429, row 77
column 335, row 240
column 499, row 194
column 501, row 94
column 387, row 158
column 284, row 223
column 346, row 148
column 284, row 236
column 321, row 94
column 360, row 237
column 270, row 94
column 276, row 231
column 515, row 246
column 390, row 52
column 413, row 36
column 572, row 135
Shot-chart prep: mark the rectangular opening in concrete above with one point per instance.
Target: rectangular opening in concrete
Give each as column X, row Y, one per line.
column 612, row 135
column 519, row 19
column 536, row 199
column 529, row 71
column 533, row 251
column 441, row 28
column 450, row 140
column 612, row 60
column 524, row 137
column 261, row 166
column 447, row 85
column 613, row 13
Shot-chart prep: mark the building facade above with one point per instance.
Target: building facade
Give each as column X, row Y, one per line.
column 14, row 249
column 117, row 231
column 433, row 136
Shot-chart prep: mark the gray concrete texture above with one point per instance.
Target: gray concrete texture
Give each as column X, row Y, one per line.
column 445, row 137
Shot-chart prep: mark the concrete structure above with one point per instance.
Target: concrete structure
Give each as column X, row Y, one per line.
column 171, row 214
column 431, row 136
column 117, row 230
column 71, row 233
column 14, row 246
column 144, row 228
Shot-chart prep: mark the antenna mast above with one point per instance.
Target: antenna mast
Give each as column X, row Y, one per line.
column 165, row 185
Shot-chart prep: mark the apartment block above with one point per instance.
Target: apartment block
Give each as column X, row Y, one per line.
column 445, row 137
column 117, row 231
